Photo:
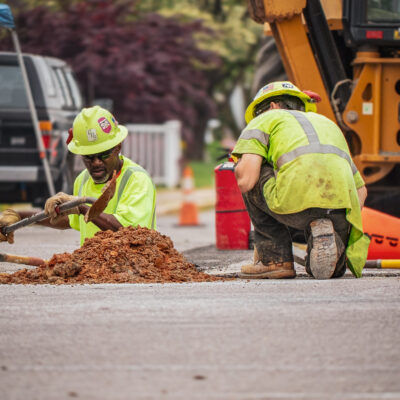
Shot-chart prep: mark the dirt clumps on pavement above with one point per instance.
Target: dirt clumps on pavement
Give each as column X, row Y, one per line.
column 130, row 255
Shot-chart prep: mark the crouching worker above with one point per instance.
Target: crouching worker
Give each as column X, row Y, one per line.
column 97, row 137
column 295, row 171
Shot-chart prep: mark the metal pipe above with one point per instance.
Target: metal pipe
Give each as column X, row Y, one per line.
column 32, row 109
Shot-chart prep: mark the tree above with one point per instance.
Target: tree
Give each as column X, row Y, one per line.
column 236, row 41
column 149, row 65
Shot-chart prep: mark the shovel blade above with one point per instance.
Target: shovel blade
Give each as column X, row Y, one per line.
column 101, row 203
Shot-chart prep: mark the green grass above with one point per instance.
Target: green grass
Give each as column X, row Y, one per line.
column 203, row 173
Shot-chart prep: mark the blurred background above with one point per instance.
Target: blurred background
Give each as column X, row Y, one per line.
column 150, row 62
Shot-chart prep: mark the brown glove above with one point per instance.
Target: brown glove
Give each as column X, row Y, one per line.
column 57, row 200
column 8, row 217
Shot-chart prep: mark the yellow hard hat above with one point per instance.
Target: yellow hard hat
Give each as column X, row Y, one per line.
column 95, row 130
column 277, row 89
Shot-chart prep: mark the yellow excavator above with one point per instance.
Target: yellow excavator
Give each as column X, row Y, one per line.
column 348, row 51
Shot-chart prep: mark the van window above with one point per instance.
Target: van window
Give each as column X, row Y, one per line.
column 64, row 87
column 48, row 79
column 76, row 94
column 12, row 87
column 63, row 100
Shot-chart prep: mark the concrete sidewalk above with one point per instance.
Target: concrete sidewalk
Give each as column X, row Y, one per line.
column 170, row 200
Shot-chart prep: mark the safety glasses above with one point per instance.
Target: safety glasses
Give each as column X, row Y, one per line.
column 101, row 156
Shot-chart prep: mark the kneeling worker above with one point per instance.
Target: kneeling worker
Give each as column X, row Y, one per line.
column 97, row 137
column 295, row 171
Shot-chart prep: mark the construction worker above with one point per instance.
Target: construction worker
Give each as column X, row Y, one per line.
column 295, row 172
column 97, row 137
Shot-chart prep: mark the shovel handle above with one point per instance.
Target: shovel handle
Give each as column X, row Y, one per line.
column 42, row 215
column 11, row 258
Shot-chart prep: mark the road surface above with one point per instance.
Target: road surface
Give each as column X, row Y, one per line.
column 296, row 339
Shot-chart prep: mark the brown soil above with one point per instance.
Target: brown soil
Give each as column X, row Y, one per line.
column 131, row 255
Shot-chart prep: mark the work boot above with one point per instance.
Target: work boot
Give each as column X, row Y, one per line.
column 271, row 271
column 323, row 255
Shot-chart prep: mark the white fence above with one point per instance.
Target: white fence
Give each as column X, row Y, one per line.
column 157, row 148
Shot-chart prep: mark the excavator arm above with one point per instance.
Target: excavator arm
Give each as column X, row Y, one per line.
column 362, row 94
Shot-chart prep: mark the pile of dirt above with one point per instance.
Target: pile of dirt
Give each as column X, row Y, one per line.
column 130, row 255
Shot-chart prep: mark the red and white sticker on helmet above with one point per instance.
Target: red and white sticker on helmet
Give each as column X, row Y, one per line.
column 91, row 135
column 267, row 88
column 104, row 125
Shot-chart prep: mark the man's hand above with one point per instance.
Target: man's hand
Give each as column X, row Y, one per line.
column 53, row 202
column 8, row 217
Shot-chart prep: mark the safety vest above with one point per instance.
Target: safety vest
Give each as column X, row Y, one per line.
column 122, row 205
column 313, row 168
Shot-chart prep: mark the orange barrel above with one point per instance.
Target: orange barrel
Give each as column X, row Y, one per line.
column 384, row 231
column 232, row 222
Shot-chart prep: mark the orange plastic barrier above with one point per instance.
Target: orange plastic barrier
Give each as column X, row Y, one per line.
column 188, row 213
column 384, row 231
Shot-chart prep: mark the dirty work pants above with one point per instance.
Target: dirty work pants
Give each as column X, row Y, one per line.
column 272, row 236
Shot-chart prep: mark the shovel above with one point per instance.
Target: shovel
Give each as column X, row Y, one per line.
column 11, row 258
column 98, row 206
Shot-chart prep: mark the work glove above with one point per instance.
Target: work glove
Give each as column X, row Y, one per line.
column 8, row 217
column 57, row 200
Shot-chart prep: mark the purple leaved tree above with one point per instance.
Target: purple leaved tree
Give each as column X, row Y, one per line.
column 149, row 65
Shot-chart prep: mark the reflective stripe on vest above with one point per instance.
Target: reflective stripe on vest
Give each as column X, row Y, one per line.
column 84, row 180
column 124, row 180
column 314, row 146
column 257, row 134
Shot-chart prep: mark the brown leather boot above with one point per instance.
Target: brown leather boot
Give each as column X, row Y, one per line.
column 270, row 271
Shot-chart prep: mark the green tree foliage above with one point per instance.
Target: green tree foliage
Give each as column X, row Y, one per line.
column 236, row 41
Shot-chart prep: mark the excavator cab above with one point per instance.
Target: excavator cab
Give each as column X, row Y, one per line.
column 372, row 23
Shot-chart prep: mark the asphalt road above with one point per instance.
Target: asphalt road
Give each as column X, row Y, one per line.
column 297, row 339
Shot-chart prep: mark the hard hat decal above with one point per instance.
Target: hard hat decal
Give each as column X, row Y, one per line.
column 266, row 88
column 91, row 135
column 104, row 125
column 114, row 120
column 287, row 85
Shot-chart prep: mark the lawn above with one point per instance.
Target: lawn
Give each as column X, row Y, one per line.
column 203, row 171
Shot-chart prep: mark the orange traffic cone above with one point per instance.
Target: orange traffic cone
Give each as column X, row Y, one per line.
column 188, row 213
column 384, row 231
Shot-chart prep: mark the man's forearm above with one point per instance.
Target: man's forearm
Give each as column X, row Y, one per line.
column 247, row 171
